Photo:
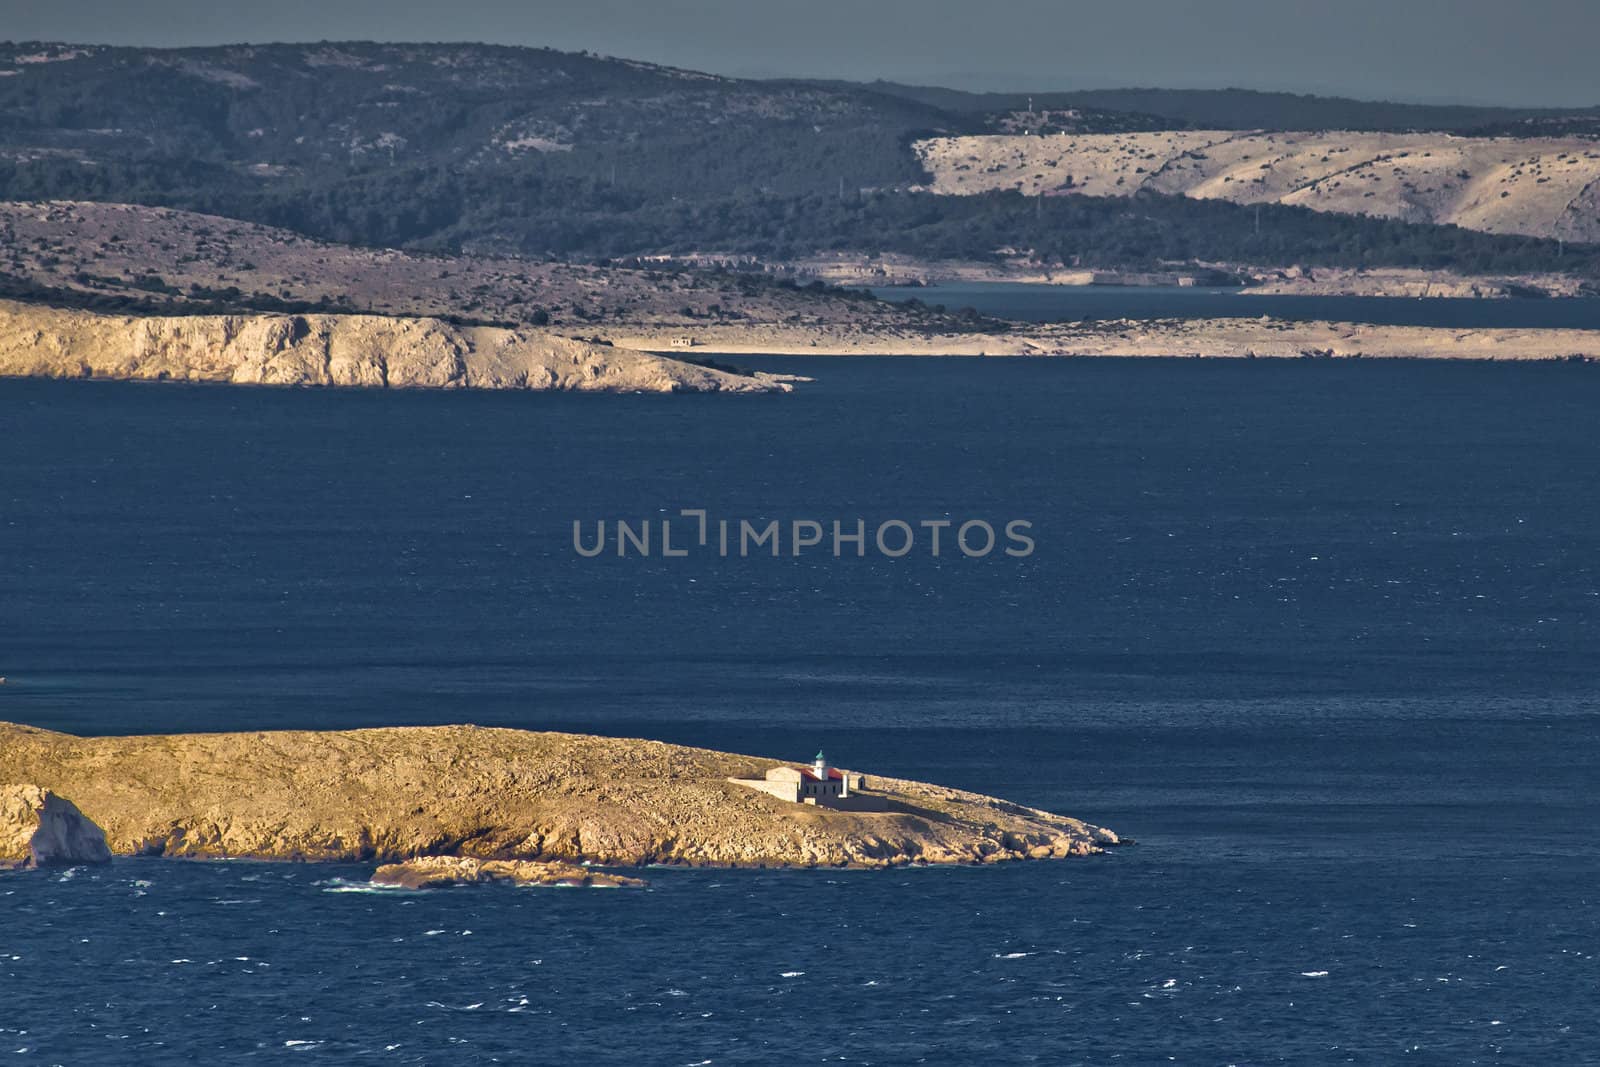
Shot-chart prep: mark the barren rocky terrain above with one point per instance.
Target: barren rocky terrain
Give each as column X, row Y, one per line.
column 167, row 257
column 1543, row 187
column 162, row 258
column 392, row 794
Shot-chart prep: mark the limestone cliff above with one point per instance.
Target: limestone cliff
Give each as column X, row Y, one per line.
column 40, row 829
column 389, row 794
column 347, row 350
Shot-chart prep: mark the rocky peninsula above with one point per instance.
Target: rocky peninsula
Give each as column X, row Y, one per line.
column 393, row 794
column 338, row 350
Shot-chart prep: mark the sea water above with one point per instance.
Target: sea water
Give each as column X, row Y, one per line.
column 1319, row 635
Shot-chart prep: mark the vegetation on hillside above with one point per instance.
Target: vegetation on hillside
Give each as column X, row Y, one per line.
column 451, row 147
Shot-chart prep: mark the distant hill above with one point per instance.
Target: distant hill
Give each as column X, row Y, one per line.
column 493, row 150
column 434, row 145
column 279, row 111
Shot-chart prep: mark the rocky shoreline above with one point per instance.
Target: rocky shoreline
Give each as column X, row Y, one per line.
column 395, row 794
column 445, row 872
column 372, row 351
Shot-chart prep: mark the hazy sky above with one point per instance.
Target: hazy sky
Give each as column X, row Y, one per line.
column 1480, row 51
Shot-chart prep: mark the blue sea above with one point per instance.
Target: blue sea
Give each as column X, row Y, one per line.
column 1321, row 636
column 1073, row 303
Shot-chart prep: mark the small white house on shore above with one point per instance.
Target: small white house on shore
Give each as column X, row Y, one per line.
column 817, row 784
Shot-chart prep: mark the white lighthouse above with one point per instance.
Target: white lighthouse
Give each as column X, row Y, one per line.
column 818, row 785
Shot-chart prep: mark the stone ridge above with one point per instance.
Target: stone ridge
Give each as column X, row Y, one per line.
column 395, row 793
column 336, row 350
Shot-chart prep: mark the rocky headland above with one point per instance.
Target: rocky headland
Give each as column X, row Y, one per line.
column 375, row 351
column 394, row 794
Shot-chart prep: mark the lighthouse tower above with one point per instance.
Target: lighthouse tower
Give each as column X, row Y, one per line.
column 819, row 767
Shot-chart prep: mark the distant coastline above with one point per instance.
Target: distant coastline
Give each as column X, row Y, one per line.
column 368, row 351
column 1263, row 338
column 182, row 296
column 889, row 269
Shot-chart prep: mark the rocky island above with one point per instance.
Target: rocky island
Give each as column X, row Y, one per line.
column 394, row 794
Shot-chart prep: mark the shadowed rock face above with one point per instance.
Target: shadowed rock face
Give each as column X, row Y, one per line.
column 40, row 829
column 391, row 794
column 440, row 872
column 342, row 350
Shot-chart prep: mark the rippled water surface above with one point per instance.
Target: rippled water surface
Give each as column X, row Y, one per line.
column 1320, row 636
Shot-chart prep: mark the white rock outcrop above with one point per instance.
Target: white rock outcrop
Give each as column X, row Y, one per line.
column 343, row 350
column 40, row 829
